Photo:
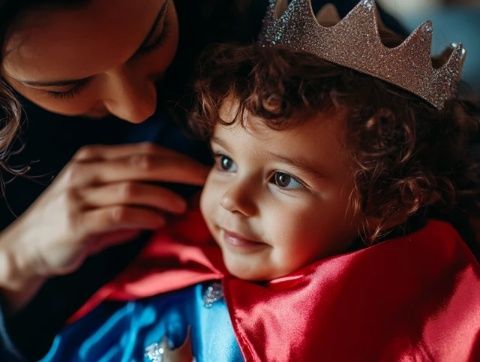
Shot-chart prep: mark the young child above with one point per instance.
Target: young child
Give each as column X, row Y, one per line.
column 318, row 200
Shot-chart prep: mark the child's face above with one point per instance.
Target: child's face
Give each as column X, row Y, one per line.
column 277, row 200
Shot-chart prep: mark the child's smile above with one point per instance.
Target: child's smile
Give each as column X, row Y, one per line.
column 239, row 243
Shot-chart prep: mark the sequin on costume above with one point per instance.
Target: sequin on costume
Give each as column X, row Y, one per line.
column 213, row 293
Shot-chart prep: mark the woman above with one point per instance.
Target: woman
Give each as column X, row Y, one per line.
column 77, row 68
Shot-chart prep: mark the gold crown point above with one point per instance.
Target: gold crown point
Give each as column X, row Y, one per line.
column 418, row 46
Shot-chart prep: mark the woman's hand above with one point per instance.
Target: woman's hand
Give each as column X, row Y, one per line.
column 101, row 198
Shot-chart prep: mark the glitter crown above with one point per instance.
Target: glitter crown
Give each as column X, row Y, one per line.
column 354, row 42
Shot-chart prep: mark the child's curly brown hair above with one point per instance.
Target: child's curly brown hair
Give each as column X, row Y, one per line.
column 407, row 154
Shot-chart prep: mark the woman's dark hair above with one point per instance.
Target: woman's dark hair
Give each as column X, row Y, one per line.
column 407, row 154
column 10, row 108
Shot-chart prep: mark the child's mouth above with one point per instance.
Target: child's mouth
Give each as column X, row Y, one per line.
column 239, row 241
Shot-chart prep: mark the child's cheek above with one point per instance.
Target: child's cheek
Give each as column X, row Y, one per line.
column 208, row 202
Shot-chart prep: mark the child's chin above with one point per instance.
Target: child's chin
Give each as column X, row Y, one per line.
column 242, row 272
column 251, row 274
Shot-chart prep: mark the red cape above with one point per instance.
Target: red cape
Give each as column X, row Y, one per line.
column 414, row 298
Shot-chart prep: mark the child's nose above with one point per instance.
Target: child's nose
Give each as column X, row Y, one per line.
column 239, row 198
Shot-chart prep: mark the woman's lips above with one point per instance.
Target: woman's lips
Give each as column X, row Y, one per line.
column 239, row 241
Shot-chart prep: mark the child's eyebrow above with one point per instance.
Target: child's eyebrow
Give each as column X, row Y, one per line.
column 302, row 163
column 219, row 142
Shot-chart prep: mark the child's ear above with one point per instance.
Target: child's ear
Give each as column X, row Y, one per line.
column 375, row 227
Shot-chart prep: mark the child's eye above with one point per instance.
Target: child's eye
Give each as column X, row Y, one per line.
column 225, row 163
column 286, row 181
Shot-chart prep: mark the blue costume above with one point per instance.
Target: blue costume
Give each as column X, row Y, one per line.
column 141, row 325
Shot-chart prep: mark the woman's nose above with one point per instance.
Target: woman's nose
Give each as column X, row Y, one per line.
column 239, row 198
column 130, row 96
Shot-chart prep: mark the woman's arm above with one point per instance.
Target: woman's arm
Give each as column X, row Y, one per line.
column 18, row 282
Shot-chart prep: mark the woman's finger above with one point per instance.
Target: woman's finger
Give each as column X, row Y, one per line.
column 109, row 152
column 133, row 194
column 179, row 168
column 118, row 218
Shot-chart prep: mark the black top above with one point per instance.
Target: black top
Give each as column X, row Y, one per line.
column 51, row 140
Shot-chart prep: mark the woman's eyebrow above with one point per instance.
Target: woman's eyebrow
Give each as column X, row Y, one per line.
column 62, row 83
column 159, row 18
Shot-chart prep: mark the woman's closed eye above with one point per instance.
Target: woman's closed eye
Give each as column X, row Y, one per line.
column 286, row 181
column 72, row 92
column 224, row 163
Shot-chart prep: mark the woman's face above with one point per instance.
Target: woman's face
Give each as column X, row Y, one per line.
column 96, row 59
